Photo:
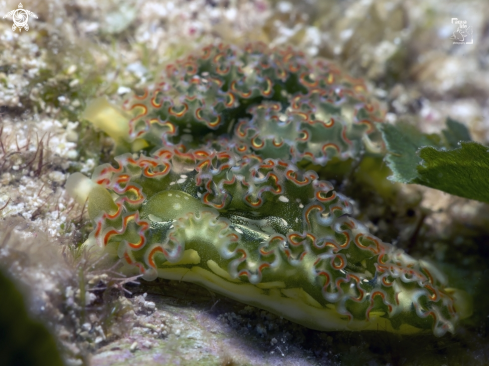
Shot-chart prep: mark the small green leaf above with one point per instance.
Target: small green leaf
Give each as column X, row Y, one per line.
column 455, row 133
column 463, row 171
column 402, row 141
column 450, row 162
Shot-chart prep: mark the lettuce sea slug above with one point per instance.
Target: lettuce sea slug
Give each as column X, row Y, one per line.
column 218, row 194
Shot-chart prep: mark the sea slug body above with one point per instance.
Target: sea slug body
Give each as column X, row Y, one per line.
column 218, row 198
column 272, row 103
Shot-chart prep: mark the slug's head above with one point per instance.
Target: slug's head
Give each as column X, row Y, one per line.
column 84, row 190
column 114, row 122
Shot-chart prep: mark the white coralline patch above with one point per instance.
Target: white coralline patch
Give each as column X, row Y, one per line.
column 123, row 90
column 56, row 176
column 88, row 166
